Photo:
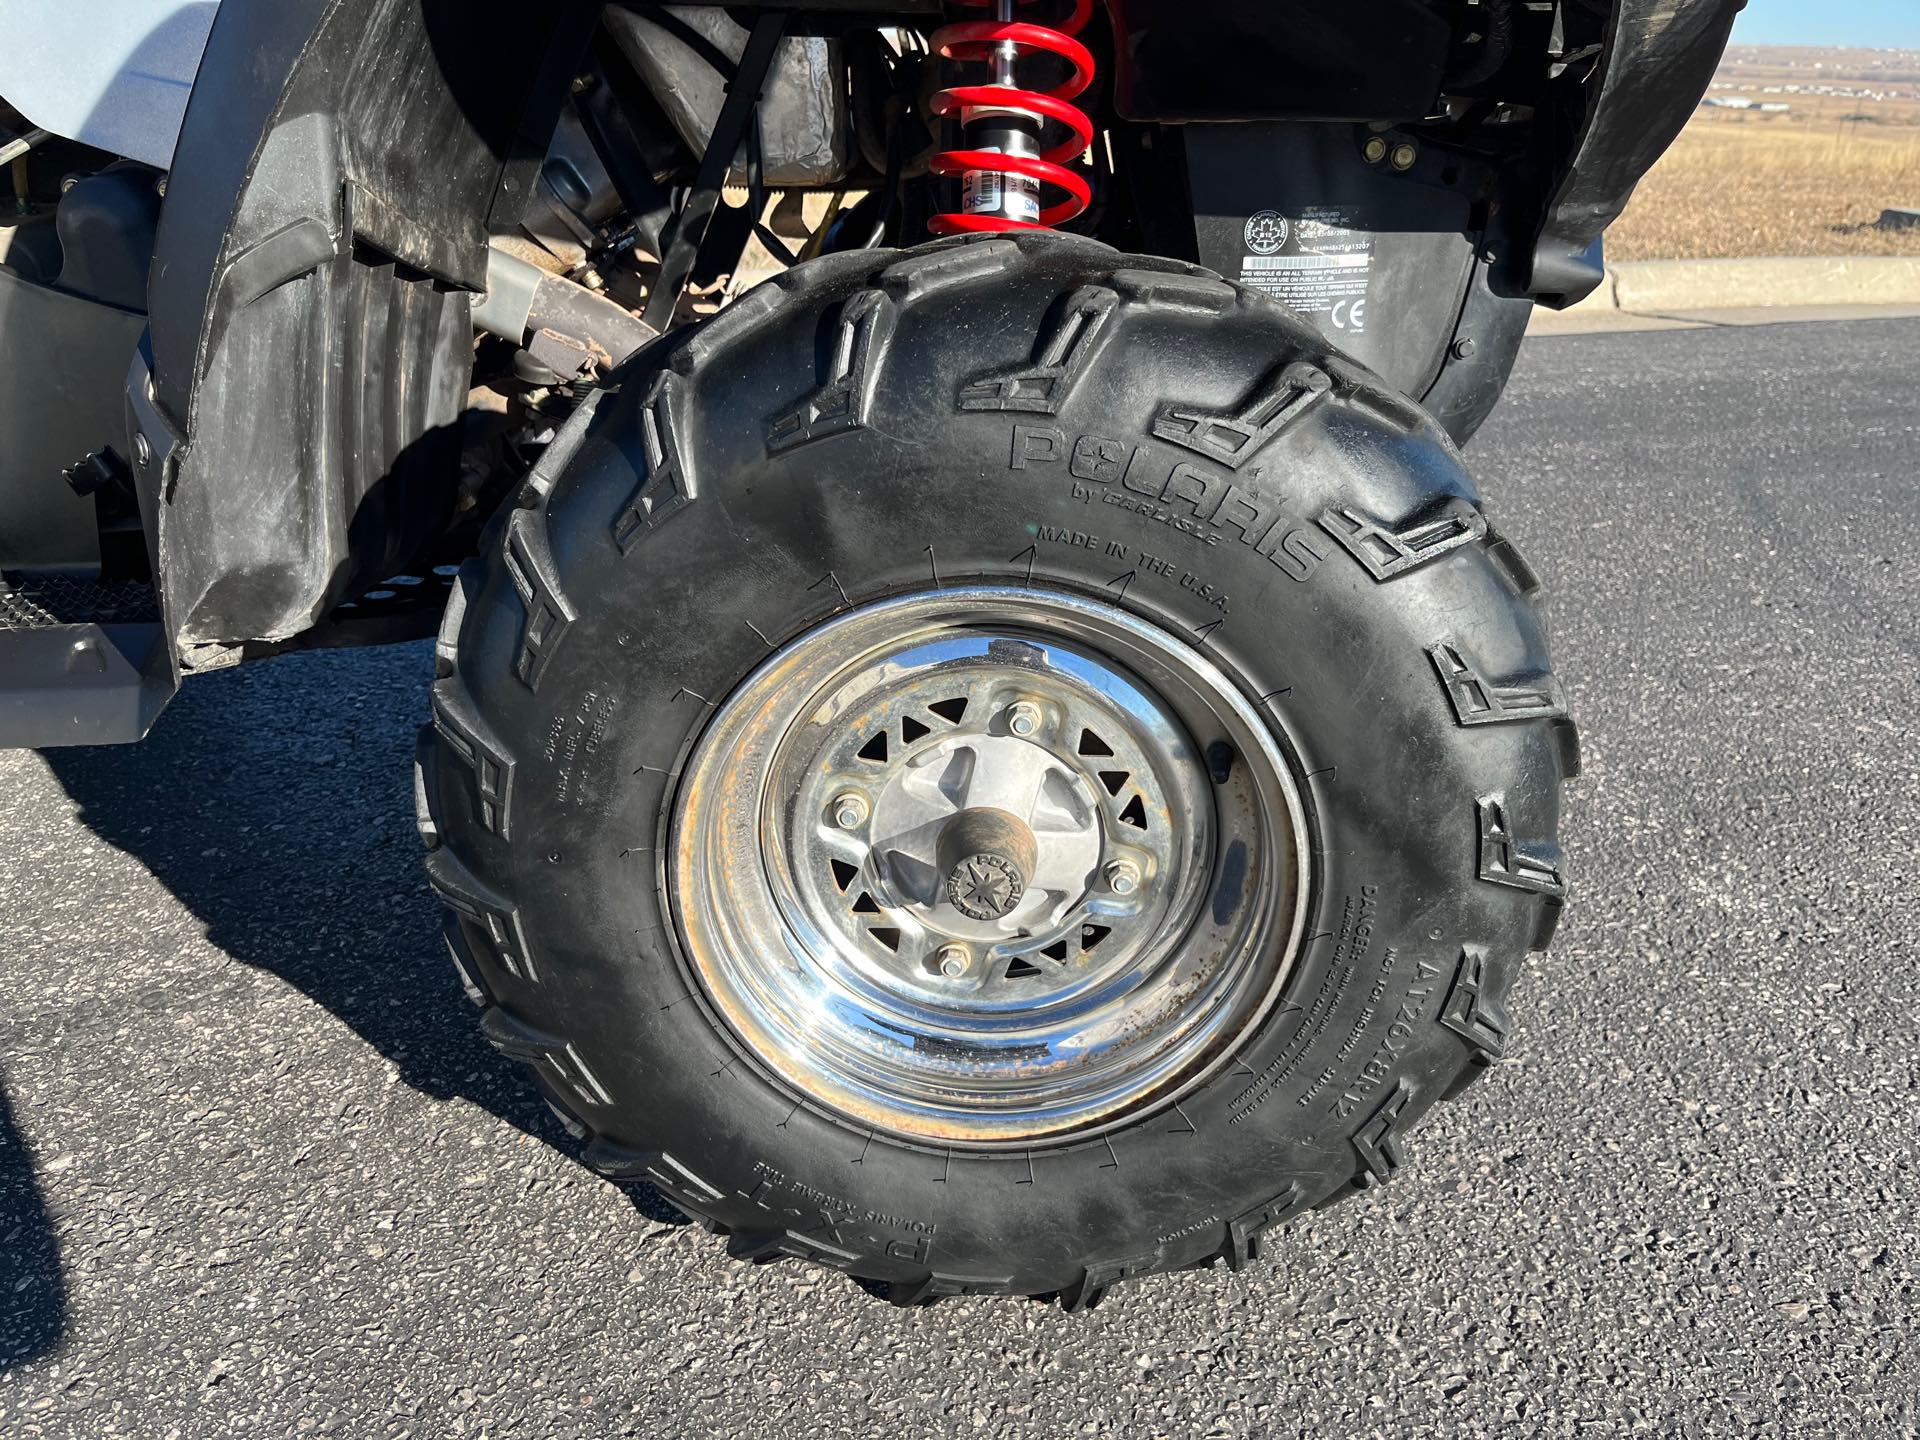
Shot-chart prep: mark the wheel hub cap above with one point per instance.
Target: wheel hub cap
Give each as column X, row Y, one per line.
column 988, row 856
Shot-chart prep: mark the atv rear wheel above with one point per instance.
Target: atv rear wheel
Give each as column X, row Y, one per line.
column 998, row 768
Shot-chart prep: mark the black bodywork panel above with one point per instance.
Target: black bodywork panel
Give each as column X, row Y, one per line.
column 1383, row 262
column 1201, row 60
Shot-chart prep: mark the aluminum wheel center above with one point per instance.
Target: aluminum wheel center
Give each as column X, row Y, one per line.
column 955, row 865
column 976, row 836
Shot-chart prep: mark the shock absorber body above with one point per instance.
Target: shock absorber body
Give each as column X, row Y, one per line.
column 1005, row 161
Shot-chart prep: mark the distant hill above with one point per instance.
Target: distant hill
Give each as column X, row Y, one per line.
column 1824, row 65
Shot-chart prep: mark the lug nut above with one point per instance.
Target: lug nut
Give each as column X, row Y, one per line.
column 1123, row 876
column 1023, row 718
column 850, row 810
column 952, row 960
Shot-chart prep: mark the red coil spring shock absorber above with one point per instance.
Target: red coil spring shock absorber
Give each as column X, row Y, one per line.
column 1003, row 166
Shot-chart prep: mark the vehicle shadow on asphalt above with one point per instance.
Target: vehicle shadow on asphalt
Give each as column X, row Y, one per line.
column 275, row 802
column 33, row 1291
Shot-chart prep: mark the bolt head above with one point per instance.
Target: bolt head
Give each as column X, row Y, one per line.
column 850, row 810
column 1403, row 156
column 1375, row 150
column 1023, row 718
column 952, row 960
column 1122, row 876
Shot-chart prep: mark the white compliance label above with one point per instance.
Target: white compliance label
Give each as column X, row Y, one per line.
column 1313, row 262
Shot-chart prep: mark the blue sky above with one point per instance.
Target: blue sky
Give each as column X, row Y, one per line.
column 1829, row 22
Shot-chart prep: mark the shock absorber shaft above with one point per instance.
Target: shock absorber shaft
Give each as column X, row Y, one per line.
column 1001, row 132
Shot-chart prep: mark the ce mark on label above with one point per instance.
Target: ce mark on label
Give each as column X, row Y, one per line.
column 1349, row 314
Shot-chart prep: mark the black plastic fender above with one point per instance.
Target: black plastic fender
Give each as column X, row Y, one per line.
column 325, row 228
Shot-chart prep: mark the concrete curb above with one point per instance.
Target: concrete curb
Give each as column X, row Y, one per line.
column 1652, row 286
column 1686, row 294
column 1603, row 322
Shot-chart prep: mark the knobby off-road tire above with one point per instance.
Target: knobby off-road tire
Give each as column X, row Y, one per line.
column 1047, row 413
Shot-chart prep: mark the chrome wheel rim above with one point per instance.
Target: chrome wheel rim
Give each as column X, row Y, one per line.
column 985, row 866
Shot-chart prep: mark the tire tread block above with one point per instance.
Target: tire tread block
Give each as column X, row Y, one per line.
column 547, row 614
column 1470, row 1011
column 464, row 733
column 1389, row 550
column 1507, row 860
column 864, row 325
column 935, row 268
column 1378, row 1142
column 1086, row 1293
column 1245, row 1231
column 1067, row 348
column 556, row 1059
column 1478, row 700
column 496, row 918
column 666, row 485
column 1234, row 438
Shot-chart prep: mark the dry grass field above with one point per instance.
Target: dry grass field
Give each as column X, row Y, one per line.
column 1809, row 181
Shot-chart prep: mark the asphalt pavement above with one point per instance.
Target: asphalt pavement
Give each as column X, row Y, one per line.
column 259, row 1175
